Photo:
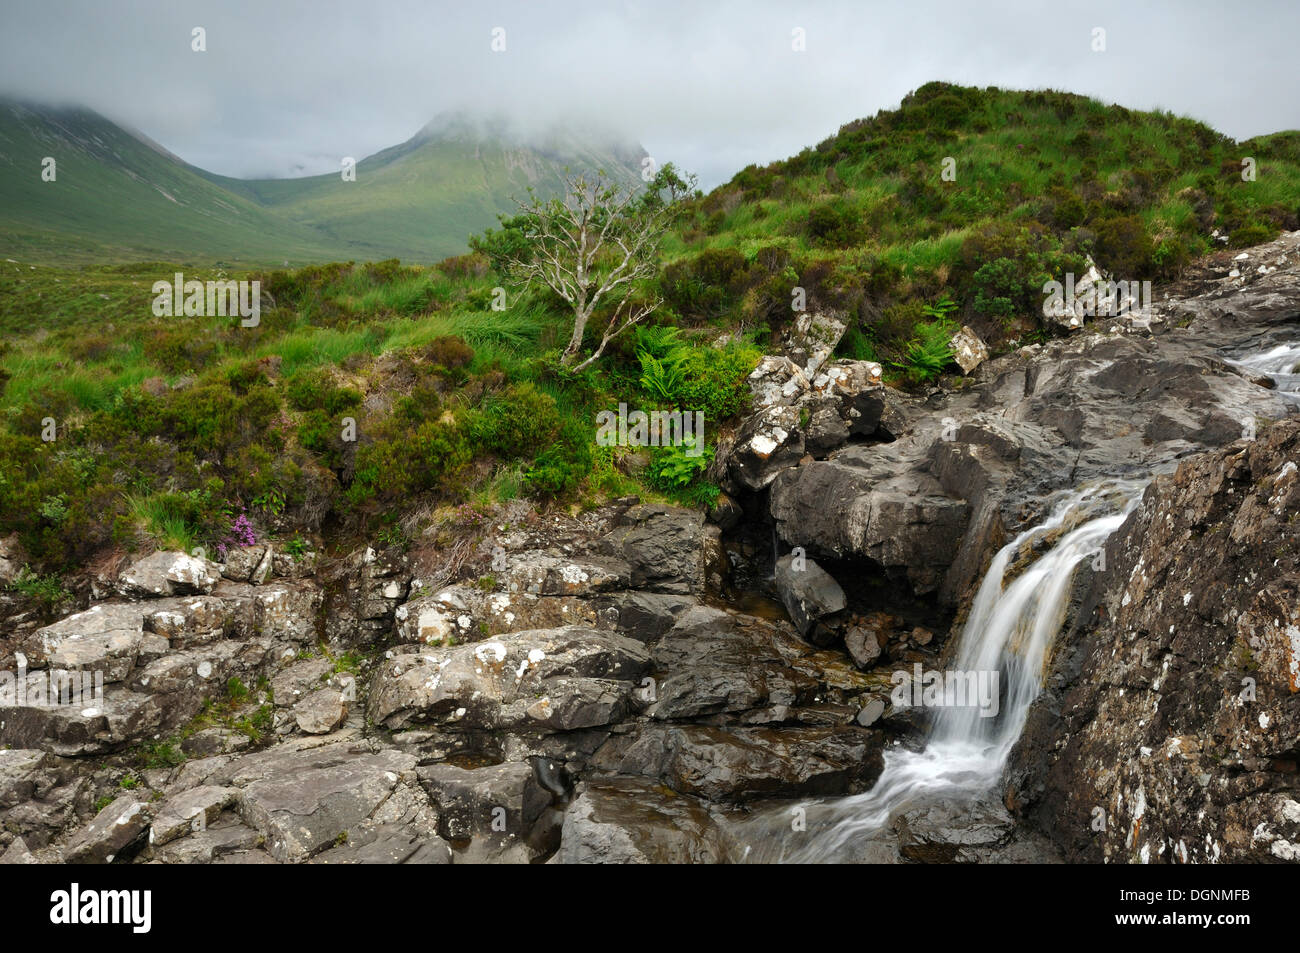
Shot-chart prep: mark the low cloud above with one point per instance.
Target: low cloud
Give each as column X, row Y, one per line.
column 287, row 88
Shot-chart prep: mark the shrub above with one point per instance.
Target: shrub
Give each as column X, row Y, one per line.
column 518, row 422
column 1249, row 235
column 837, row 224
column 449, row 351
column 1123, row 246
column 562, row 466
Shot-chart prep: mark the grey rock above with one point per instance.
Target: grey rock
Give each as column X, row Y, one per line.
column 321, row 712
column 167, row 574
column 541, row 680
column 808, row 592
column 113, row 830
column 632, row 821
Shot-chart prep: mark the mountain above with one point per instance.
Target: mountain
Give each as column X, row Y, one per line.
column 421, row 199
column 119, row 196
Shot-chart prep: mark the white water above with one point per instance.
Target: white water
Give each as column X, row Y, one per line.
column 1278, row 363
column 1010, row 630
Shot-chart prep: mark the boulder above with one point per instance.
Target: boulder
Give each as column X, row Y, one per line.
column 302, row 805
column 808, row 592
column 539, row 680
column 321, row 712
column 633, row 821
column 115, row 829
column 968, row 350
column 490, row 813
column 167, row 574
column 105, row 639
column 741, row 764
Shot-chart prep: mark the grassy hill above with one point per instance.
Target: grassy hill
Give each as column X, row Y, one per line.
column 866, row 223
column 172, row 428
column 119, row 197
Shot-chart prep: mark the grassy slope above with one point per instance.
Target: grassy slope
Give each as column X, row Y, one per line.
column 117, row 198
column 1042, row 178
column 120, row 198
column 419, row 201
column 895, row 237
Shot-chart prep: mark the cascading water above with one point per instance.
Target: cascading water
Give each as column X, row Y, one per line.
column 1010, row 629
column 1279, row 363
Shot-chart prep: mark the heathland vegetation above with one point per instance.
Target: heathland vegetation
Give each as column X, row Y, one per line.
column 192, row 431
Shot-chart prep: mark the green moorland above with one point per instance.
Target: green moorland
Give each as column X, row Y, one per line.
column 197, row 431
column 119, row 197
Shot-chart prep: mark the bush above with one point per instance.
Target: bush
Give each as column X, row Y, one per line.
column 691, row 378
column 449, row 351
column 836, row 224
column 1123, row 246
column 562, row 466
column 518, row 422
column 1249, row 235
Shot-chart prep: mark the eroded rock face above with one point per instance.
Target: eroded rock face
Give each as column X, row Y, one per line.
column 543, row 680
column 1173, row 709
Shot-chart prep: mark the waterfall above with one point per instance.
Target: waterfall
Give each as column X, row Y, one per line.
column 1279, row 363
column 1013, row 620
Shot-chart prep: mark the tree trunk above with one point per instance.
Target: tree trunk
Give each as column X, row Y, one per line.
column 575, row 342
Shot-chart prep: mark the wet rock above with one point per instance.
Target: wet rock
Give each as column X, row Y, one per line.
column 737, row 764
column 491, row 814
column 726, row 512
column 808, row 592
column 875, row 502
column 863, row 646
column 633, row 821
column 714, row 663
column 1173, row 703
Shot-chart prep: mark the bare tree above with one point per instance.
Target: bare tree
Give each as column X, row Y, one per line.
column 596, row 246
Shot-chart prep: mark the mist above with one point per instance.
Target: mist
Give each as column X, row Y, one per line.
column 287, row 88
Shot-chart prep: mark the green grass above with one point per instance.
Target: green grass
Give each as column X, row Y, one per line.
column 456, row 403
column 118, row 198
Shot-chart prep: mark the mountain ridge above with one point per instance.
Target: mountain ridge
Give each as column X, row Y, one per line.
column 418, row 200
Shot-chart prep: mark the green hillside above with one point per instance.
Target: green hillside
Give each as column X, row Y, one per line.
column 866, row 223
column 418, row 201
column 172, row 428
column 119, row 197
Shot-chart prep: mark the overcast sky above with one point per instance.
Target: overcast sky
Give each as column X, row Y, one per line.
column 287, row 87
